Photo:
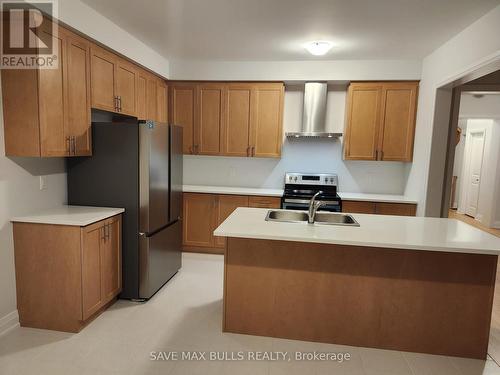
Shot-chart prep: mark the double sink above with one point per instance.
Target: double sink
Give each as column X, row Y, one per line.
column 329, row 218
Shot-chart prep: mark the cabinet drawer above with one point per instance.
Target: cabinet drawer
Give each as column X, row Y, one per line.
column 358, row 207
column 264, row 202
column 400, row 209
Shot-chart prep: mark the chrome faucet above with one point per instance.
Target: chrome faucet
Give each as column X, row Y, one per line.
column 313, row 207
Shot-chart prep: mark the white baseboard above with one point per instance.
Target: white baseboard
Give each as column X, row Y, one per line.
column 9, row 322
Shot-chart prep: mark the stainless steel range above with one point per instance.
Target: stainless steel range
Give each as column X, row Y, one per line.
column 300, row 188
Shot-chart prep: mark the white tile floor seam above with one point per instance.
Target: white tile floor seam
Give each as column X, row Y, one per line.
column 186, row 315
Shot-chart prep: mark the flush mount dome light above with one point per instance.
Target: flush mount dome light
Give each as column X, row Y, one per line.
column 318, row 48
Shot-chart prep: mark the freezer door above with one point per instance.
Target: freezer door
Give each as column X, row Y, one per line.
column 153, row 176
column 176, row 162
column 160, row 258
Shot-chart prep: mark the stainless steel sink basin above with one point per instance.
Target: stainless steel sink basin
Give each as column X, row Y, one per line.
column 335, row 219
column 329, row 218
column 287, row 216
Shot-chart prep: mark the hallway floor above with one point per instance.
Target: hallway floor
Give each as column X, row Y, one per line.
column 186, row 315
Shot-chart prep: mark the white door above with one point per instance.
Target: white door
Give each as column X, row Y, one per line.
column 473, row 179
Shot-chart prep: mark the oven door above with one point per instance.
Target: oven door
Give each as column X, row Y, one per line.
column 303, row 205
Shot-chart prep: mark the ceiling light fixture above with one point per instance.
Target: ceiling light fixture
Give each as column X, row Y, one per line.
column 319, row 48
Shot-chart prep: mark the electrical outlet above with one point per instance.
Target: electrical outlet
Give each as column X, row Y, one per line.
column 43, row 183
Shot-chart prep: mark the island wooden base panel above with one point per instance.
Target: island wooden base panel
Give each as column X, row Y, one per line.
column 418, row 301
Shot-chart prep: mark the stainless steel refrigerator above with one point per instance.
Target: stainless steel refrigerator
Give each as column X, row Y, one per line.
column 137, row 166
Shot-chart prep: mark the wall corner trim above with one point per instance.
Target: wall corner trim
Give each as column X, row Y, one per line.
column 9, row 322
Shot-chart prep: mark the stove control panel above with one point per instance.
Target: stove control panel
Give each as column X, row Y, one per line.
column 321, row 179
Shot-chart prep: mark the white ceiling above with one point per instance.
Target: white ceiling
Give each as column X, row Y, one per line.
column 277, row 29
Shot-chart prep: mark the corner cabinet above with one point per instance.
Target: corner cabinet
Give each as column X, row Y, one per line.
column 66, row 275
column 229, row 119
column 47, row 111
column 380, row 121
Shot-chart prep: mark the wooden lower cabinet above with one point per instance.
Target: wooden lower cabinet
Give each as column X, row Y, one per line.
column 380, row 208
column 203, row 213
column 225, row 207
column 264, row 202
column 66, row 275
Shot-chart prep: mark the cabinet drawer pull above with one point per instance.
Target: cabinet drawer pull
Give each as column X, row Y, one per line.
column 68, row 145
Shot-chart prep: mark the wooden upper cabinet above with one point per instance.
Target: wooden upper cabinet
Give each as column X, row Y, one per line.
column 162, row 101
column 125, row 88
column 78, row 93
column 51, row 95
column 103, row 70
column 47, row 111
column 235, row 132
column 267, row 120
column 210, row 116
column 151, row 98
column 380, row 121
column 114, row 83
column 182, row 112
column 363, row 119
column 398, row 113
column 141, row 103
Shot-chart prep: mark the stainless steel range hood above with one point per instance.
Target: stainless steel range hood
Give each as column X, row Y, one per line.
column 314, row 115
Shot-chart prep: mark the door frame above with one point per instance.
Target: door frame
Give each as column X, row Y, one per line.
column 465, row 187
column 445, row 120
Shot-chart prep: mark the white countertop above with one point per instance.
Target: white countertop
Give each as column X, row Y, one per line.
column 232, row 190
column 79, row 216
column 398, row 232
column 388, row 198
column 279, row 192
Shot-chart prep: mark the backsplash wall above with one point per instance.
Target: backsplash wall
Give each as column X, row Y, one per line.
column 300, row 155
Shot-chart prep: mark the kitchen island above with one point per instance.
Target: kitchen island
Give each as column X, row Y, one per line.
column 403, row 283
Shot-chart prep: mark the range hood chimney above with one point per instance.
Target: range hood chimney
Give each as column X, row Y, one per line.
column 314, row 115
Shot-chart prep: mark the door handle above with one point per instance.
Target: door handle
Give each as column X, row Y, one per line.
column 119, row 103
column 248, row 151
column 103, row 230
column 115, row 102
column 253, row 151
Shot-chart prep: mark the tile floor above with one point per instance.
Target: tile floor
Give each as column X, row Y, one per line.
column 186, row 316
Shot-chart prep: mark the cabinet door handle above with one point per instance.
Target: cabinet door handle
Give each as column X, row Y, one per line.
column 381, row 154
column 115, row 102
column 119, row 104
column 68, row 145
column 253, row 151
column 109, row 231
column 103, row 230
column 248, row 151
